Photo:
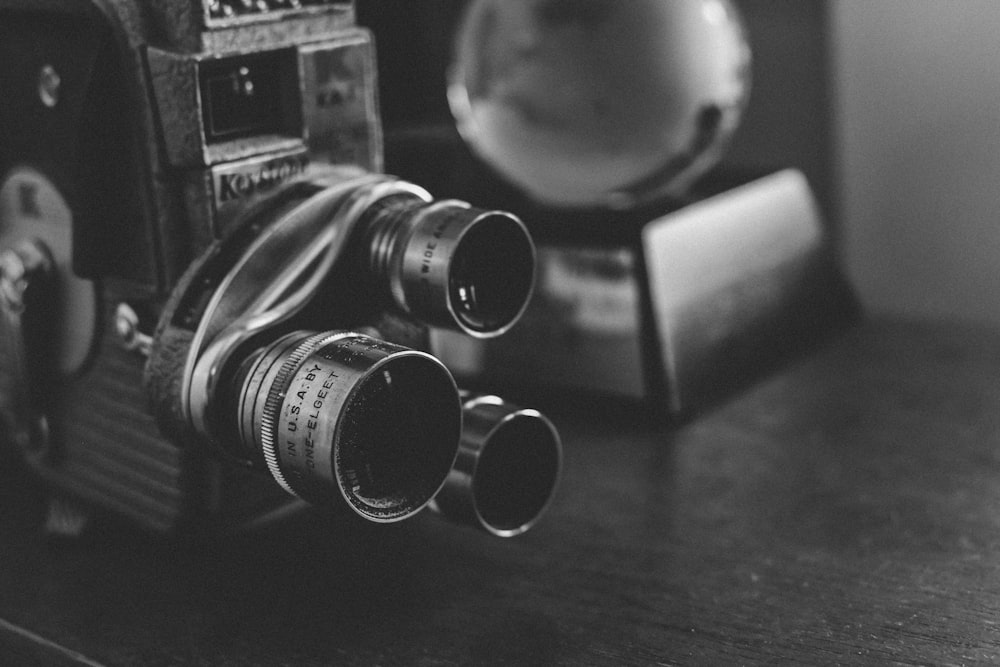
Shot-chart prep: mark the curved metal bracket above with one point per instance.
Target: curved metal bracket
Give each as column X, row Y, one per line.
column 275, row 278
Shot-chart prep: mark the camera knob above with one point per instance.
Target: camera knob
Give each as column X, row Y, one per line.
column 26, row 274
column 27, row 263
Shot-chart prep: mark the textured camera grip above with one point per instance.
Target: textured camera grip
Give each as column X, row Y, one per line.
column 163, row 377
column 164, row 372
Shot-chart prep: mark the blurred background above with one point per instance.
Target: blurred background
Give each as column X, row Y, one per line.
column 891, row 109
column 917, row 152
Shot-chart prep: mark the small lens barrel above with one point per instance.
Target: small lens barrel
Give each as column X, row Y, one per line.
column 506, row 471
column 339, row 416
column 452, row 265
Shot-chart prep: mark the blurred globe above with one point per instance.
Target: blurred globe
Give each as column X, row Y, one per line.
column 599, row 102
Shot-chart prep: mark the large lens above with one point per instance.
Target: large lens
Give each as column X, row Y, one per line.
column 341, row 416
column 452, row 265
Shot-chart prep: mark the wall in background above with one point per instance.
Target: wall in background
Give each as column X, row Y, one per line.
column 917, row 108
column 789, row 117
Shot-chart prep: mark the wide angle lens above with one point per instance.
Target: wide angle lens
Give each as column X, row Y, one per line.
column 452, row 265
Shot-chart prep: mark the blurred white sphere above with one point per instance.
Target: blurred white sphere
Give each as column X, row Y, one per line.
column 599, row 102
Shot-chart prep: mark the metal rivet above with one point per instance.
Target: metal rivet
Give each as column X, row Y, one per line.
column 65, row 519
column 127, row 328
column 48, row 86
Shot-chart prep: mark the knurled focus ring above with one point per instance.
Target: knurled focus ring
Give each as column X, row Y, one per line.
column 275, row 399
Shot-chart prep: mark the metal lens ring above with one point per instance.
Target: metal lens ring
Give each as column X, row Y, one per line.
column 452, row 265
column 521, row 455
column 492, row 275
column 340, row 415
column 507, row 469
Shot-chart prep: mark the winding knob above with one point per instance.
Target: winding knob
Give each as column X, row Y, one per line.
column 25, row 270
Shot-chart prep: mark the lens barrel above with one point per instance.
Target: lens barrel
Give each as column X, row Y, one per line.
column 507, row 468
column 451, row 265
column 339, row 416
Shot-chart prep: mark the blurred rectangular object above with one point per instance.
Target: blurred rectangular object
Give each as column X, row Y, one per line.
column 680, row 311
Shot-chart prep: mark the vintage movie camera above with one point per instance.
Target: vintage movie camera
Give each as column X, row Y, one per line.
column 214, row 306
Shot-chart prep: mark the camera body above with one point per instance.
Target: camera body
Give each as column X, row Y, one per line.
column 215, row 305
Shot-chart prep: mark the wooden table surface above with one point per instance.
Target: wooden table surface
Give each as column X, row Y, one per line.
column 845, row 510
